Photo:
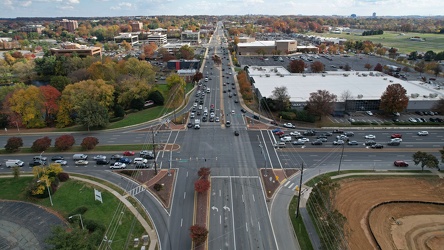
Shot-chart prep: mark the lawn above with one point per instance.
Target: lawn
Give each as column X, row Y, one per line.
column 140, row 117
column 389, row 39
column 74, row 194
column 298, row 226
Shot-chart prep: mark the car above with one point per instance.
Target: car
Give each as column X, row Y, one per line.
column 396, row 136
column 298, row 142
column 370, row 137
column 338, row 142
column 349, row 134
column 236, row 101
column 200, row 107
column 400, row 164
column 128, row 153
column 369, row 142
column 396, row 140
column 369, row 113
column 57, row 157
column 275, row 130
column 393, row 143
column 342, row 137
column 227, row 124
column 211, row 119
column 256, row 117
column 117, row 165
column 192, row 115
column 236, row 133
column 99, row 157
column 125, row 160
column 279, row 133
column 61, row 162
column 317, row 142
column 225, row 91
column 189, row 125
column 322, row 139
column 195, row 104
column 146, row 154
column 243, row 111
column 204, row 119
column 423, row 133
column 377, row 145
column 352, row 143
column 304, row 139
column 338, row 131
column 295, row 133
column 233, row 112
column 115, row 157
column 102, row 162
column 310, row 132
column 217, row 119
column 289, row 125
column 36, row 163
column 81, row 162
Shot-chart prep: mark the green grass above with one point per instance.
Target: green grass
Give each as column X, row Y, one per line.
column 298, row 226
column 389, row 39
column 140, row 117
column 316, row 179
column 73, row 194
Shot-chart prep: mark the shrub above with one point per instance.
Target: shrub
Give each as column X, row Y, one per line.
column 89, row 143
column 201, row 185
column 64, row 142
column 198, row 234
column 119, row 111
column 16, row 172
column 204, row 172
column 93, row 226
column 78, row 210
column 157, row 97
column 157, row 187
column 63, row 176
column 13, row 144
column 41, row 144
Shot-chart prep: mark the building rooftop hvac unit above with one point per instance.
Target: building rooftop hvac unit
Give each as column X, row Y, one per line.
column 414, row 95
column 360, row 96
column 433, row 95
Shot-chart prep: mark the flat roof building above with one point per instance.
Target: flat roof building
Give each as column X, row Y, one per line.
column 33, row 28
column 128, row 37
column 69, row 25
column 172, row 48
column 268, row 47
column 136, row 26
column 366, row 87
column 157, row 38
column 190, row 37
column 74, row 48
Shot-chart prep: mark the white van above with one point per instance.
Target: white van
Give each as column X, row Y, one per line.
column 286, row 139
column 140, row 160
column 14, row 163
column 77, row 157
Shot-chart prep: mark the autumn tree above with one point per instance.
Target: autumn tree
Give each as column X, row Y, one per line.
column 281, row 97
column 394, row 99
column 420, row 67
column 317, row 67
column 64, row 142
column 197, row 77
column 131, row 89
column 201, row 185
column 24, row 70
column 176, row 94
column 103, row 70
column 126, row 45
column 91, row 114
column 204, row 172
column 198, row 234
column 41, row 144
column 439, row 106
column 296, row 66
column 149, row 49
column 13, row 144
column 51, row 97
column 378, row 67
column 165, row 55
column 89, row 143
column 59, row 82
column 425, row 159
column 368, row 66
column 186, row 52
column 345, row 97
column 96, row 90
column 321, row 103
column 28, row 103
column 140, row 70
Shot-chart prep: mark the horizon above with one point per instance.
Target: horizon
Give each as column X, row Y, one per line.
column 113, row 8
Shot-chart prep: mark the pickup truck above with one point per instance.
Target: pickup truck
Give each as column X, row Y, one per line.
column 197, row 124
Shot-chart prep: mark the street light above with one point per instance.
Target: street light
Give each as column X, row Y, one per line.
column 81, row 221
column 49, row 192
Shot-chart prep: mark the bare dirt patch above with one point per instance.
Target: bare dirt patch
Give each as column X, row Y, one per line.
column 269, row 181
column 356, row 198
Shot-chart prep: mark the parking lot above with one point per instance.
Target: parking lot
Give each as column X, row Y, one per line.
column 380, row 118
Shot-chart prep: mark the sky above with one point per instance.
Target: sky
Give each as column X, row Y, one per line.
column 105, row 8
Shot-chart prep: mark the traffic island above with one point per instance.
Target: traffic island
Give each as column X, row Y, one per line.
column 199, row 230
column 270, row 181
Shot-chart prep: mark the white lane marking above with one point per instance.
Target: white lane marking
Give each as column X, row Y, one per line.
column 181, row 222
column 286, row 183
column 246, row 226
column 184, row 195
column 259, row 225
column 254, row 199
column 291, row 185
column 232, row 216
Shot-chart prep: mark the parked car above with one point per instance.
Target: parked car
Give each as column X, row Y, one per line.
column 117, row 165
column 81, row 162
column 289, row 125
column 400, row 164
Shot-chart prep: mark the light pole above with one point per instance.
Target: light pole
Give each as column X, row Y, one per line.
column 340, row 159
column 18, row 130
column 81, row 221
column 300, row 188
column 49, row 191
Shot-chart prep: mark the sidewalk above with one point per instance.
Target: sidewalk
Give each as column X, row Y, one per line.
column 151, row 232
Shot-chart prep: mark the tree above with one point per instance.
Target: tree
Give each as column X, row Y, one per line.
column 96, row 90
column 425, row 159
column 442, row 154
column 13, row 144
column 156, row 97
column 317, row 67
column 347, row 67
column 16, row 172
column 439, row 106
column 296, row 66
column 41, row 144
column 378, row 67
column 75, row 238
column 437, row 69
column 204, row 172
column 198, row 234
column 176, row 94
column 201, row 185
column 197, row 76
column 420, row 67
column 59, row 82
column 368, row 66
column 28, row 103
column 131, row 89
column 92, row 114
column 281, row 97
column 24, row 70
column 89, row 143
column 394, row 99
column 186, row 52
column 345, row 96
column 64, row 142
column 149, row 49
column 51, row 97
column 429, row 56
column 126, row 45
column 321, row 103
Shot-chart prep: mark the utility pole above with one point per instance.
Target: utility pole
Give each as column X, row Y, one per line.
column 154, row 153
column 340, row 159
column 300, row 188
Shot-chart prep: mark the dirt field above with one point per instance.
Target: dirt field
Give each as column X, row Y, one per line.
column 400, row 225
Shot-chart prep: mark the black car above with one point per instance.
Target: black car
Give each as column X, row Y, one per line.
column 141, row 165
column 115, row 157
column 37, row 163
column 377, row 145
column 255, row 117
column 338, row 131
column 243, row 111
column 236, row 133
column 370, row 143
column 102, row 162
column 57, row 157
column 189, row 125
column 317, row 142
column 349, row 134
column 204, row 119
column 309, row 132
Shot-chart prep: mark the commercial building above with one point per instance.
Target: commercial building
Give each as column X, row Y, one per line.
column 68, row 49
column 69, row 25
column 136, row 26
column 189, row 36
column 172, row 48
column 157, row 38
column 183, row 64
column 267, row 47
column 128, row 37
column 33, row 28
column 366, row 88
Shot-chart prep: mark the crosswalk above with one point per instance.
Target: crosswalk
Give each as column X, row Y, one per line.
column 136, row 190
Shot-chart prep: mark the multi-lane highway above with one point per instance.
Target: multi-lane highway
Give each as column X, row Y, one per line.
column 240, row 217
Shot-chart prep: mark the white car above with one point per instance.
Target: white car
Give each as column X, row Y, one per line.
column 117, row 165
column 338, row 142
column 369, row 113
column 99, row 157
column 200, row 107
column 195, row 104
column 289, row 125
column 81, row 162
column 370, row 137
column 61, row 162
column 411, row 119
column 396, row 140
column 232, row 112
column 295, row 133
column 423, row 133
column 304, row 139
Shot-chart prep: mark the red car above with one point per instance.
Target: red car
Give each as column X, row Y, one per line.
column 396, row 136
column 128, row 153
column 279, row 133
column 401, row 164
